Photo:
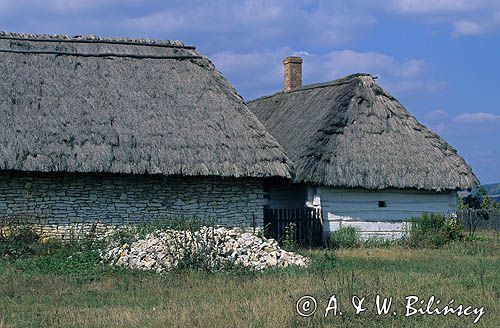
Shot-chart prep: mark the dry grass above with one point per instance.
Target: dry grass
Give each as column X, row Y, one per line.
column 469, row 274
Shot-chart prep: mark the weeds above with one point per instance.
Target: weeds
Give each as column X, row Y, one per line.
column 346, row 237
column 130, row 233
column 382, row 243
column 433, row 230
column 65, row 261
column 63, row 284
column 289, row 240
column 17, row 238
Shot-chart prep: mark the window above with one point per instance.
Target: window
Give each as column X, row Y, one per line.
column 382, row 203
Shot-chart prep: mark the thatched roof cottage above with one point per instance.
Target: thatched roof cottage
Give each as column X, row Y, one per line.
column 126, row 130
column 358, row 154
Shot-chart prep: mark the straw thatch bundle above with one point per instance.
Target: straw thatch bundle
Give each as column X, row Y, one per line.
column 90, row 104
column 350, row 133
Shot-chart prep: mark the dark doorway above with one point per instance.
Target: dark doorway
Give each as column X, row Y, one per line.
column 305, row 225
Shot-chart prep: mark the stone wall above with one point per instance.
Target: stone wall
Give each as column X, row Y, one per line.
column 57, row 198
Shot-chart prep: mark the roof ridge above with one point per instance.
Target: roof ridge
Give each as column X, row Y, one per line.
column 93, row 39
column 340, row 81
column 110, row 54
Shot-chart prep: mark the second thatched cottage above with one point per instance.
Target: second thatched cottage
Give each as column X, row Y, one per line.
column 123, row 130
column 358, row 154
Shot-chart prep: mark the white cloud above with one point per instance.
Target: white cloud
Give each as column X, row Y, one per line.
column 254, row 24
column 243, row 24
column 464, row 28
column 261, row 73
column 436, row 115
column 475, row 135
column 480, row 26
column 66, row 7
column 4, row 7
column 211, row 25
column 438, row 120
column 464, row 17
column 397, row 75
column 439, row 6
column 165, row 22
column 465, row 124
column 255, row 73
column 479, row 117
column 349, row 61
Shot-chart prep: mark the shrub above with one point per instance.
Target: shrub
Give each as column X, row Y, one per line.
column 347, row 237
column 433, row 230
column 17, row 240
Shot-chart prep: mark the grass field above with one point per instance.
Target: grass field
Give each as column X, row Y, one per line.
column 78, row 292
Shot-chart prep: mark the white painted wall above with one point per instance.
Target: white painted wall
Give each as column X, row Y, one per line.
column 360, row 208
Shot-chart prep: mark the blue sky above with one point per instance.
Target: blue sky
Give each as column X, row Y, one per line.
column 440, row 58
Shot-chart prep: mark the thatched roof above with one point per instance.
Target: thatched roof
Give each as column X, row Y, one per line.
column 350, row 133
column 90, row 104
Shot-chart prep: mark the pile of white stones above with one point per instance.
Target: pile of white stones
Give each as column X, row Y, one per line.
column 213, row 248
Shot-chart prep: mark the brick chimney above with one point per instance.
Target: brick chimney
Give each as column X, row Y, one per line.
column 292, row 73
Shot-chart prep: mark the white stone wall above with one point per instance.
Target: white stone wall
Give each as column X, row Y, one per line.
column 55, row 198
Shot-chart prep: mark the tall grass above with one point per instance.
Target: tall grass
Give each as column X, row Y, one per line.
column 346, row 237
column 434, row 230
column 103, row 296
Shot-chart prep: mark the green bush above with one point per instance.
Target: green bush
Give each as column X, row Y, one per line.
column 17, row 240
column 433, row 230
column 30, row 253
column 347, row 237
